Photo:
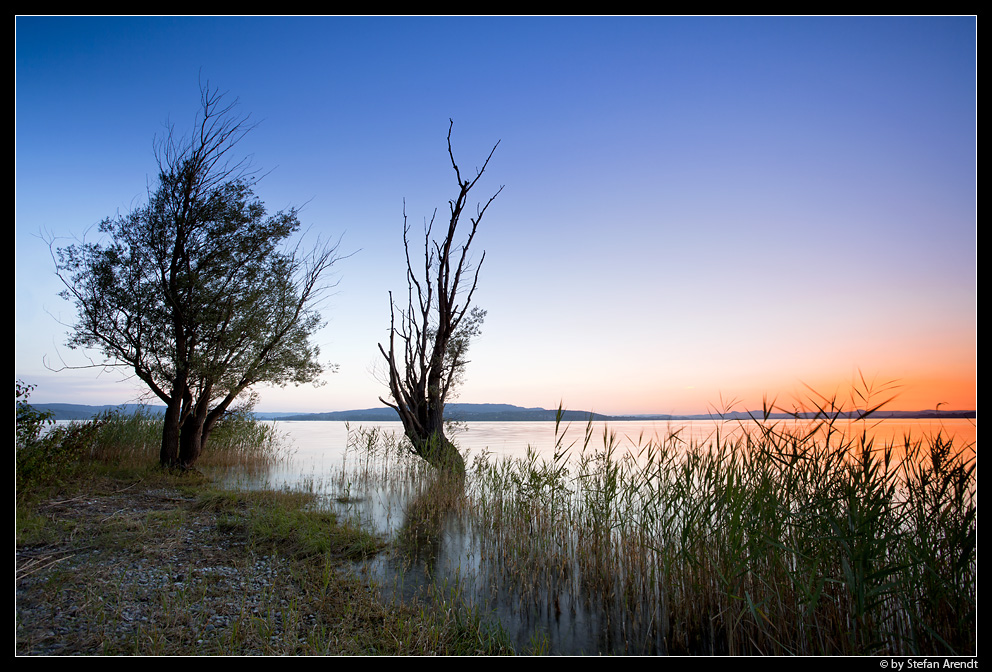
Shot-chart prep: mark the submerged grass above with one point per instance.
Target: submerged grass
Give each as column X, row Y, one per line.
column 798, row 537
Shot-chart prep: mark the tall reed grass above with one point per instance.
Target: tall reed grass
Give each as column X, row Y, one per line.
column 781, row 537
column 239, row 441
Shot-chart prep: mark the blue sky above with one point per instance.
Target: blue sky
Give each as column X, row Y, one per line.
column 695, row 209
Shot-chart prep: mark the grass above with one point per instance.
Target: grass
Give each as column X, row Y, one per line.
column 238, row 442
column 118, row 557
column 798, row 537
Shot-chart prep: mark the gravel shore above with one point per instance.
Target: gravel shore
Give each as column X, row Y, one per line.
column 145, row 571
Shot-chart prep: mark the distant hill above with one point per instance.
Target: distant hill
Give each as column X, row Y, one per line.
column 510, row 413
column 460, row 412
column 483, row 413
column 84, row 412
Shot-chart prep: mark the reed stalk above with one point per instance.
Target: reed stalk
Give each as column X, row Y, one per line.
column 804, row 537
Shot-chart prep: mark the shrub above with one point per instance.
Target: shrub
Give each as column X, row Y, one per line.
column 46, row 458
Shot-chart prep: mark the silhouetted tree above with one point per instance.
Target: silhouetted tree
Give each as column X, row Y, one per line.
column 195, row 292
column 428, row 339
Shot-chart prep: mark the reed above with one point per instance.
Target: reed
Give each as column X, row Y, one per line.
column 239, row 442
column 780, row 537
column 49, row 455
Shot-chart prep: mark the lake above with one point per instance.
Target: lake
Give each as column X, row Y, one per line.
column 320, row 446
column 321, row 461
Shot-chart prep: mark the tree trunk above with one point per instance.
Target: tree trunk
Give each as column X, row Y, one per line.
column 192, row 438
column 439, row 452
column 190, row 443
column 430, row 443
column 169, row 454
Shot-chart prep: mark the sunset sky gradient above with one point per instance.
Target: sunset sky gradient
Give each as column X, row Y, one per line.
column 696, row 211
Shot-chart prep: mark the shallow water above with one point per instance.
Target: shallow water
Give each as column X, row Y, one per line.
column 451, row 557
column 321, row 446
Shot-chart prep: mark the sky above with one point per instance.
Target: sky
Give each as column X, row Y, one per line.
column 696, row 214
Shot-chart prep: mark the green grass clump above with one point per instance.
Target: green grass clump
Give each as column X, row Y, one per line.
column 239, row 441
column 286, row 522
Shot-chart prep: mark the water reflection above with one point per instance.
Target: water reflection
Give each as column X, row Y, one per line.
column 441, row 541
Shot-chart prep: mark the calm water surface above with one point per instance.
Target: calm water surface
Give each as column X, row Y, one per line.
column 321, row 461
column 320, row 446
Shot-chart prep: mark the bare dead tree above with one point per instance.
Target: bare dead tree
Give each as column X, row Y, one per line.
column 429, row 338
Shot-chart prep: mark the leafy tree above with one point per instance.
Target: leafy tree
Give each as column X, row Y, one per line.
column 196, row 293
column 433, row 332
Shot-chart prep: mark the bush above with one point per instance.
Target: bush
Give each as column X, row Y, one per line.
column 29, row 421
column 46, row 458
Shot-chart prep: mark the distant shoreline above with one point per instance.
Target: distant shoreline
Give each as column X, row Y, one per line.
column 505, row 413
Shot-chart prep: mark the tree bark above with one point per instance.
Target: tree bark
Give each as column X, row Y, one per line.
column 440, row 453
column 172, row 423
column 169, row 453
column 191, row 440
column 197, row 427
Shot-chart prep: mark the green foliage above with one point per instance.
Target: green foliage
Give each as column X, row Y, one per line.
column 242, row 318
column 45, row 459
column 29, row 422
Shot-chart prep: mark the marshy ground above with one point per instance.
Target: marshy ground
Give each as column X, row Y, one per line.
column 166, row 565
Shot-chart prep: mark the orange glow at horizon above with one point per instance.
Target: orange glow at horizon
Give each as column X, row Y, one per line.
column 917, row 393
column 955, row 391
